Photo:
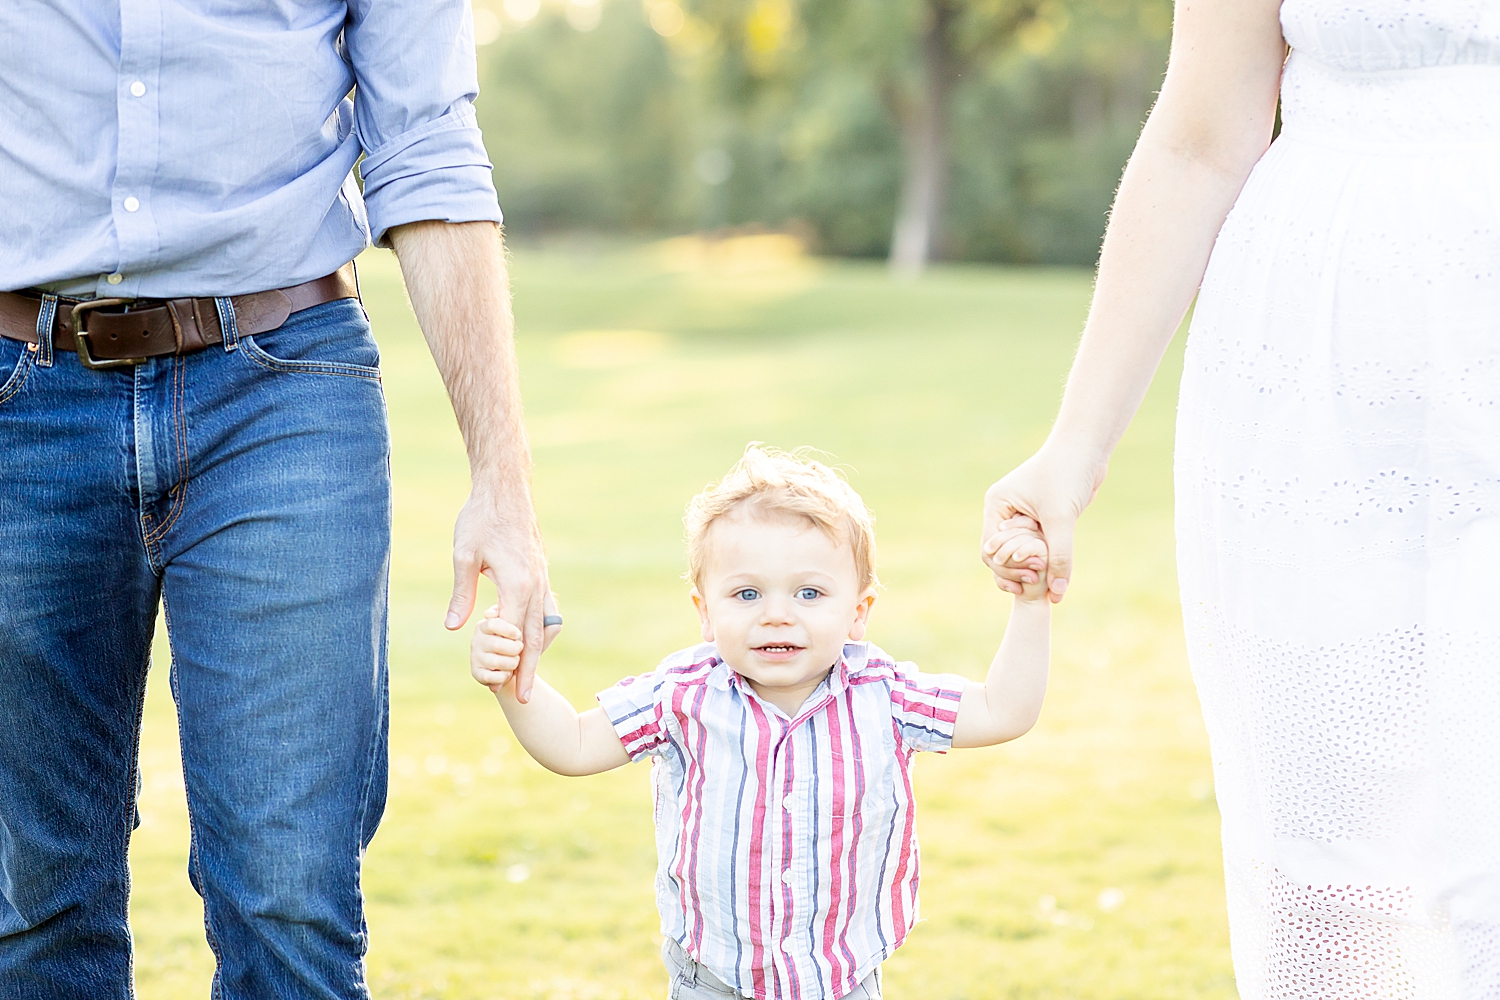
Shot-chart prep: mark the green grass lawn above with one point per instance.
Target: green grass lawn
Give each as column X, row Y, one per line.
column 1079, row 862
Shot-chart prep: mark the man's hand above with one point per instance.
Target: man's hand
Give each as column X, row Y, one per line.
column 456, row 279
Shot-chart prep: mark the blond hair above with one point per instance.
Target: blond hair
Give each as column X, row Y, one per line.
column 772, row 481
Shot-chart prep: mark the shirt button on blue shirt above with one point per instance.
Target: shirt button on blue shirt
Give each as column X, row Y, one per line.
column 131, row 204
column 246, row 152
column 116, row 278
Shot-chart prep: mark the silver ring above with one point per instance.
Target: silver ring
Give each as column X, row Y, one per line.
column 551, row 620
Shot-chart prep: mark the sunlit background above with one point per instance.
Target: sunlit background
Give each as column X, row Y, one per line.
column 702, row 199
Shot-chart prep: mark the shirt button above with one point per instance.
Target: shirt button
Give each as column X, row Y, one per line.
column 786, row 803
column 116, row 278
column 138, row 89
column 131, row 204
column 786, row 877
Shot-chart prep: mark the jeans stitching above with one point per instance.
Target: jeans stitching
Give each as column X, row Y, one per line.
column 18, row 377
column 257, row 355
column 364, row 805
column 194, row 851
column 46, row 317
column 179, row 418
column 228, row 324
column 134, row 798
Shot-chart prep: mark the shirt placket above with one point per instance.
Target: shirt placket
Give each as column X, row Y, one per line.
column 790, row 774
column 138, row 107
column 783, row 859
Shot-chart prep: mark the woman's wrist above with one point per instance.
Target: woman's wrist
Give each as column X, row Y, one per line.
column 1075, row 448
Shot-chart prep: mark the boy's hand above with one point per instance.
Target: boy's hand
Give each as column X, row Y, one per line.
column 1021, row 547
column 496, row 650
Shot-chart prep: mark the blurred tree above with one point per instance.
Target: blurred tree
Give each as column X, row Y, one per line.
column 911, row 53
column 665, row 115
column 945, row 40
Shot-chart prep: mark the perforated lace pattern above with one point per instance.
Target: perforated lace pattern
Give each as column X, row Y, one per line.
column 1338, row 508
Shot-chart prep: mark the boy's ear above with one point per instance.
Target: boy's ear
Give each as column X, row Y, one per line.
column 862, row 616
column 701, row 606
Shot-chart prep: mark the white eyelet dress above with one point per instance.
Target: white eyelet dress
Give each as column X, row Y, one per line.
column 1338, row 513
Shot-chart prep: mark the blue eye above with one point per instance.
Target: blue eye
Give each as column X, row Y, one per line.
column 808, row 594
column 748, row 594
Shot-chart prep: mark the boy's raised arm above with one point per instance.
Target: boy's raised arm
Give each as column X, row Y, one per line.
column 1009, row 701
column 547, row 726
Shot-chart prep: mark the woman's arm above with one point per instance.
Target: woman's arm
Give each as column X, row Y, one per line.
column 1210, row 125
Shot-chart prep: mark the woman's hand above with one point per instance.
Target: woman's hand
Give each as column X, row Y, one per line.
column 1051, row 487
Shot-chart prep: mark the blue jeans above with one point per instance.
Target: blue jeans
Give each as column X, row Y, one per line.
column 248, row 488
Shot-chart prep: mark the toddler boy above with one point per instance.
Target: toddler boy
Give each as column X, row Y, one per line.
column 783, row 744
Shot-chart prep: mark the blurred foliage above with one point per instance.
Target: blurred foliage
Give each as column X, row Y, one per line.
column 650, row 117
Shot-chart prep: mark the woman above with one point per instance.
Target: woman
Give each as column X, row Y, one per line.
column 1338, row 469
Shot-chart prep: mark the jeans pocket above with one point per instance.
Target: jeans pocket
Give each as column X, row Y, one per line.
column 329, row 339
column 16, row 364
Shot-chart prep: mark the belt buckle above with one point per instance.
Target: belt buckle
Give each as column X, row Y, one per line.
column 80, row 333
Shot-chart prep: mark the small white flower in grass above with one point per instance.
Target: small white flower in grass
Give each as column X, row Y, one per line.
column 1111, row 899
column 1047, row 904
column 517, row 873
column 436, row 763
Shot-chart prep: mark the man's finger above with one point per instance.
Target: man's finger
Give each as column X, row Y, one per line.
column 549, row 607
column 533, row 652
column 465, row 590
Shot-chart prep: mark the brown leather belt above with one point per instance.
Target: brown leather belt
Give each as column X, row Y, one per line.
column 108, row 333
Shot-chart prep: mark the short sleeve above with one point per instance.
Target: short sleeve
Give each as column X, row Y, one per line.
column 634, row 707
column 925, row 706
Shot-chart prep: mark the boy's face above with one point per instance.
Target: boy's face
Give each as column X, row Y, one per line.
column 780, row 599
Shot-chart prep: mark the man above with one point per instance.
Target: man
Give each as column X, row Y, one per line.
column 190, row 412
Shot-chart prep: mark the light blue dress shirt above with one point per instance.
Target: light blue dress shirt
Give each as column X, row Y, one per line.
column 164, row 148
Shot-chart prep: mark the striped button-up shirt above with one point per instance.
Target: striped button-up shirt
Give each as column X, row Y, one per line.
column 787, row 847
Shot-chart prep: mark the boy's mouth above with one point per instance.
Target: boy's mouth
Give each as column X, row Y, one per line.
column 778, row 650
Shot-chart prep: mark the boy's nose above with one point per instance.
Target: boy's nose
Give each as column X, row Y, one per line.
column 780, row 612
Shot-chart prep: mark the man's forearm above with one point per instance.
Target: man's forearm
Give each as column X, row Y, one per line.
column 456, row 277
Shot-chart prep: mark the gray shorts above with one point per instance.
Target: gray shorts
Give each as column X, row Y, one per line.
column 687, row 980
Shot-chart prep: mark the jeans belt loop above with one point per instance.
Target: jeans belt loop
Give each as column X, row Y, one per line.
column 46, row 316
column 226, row 322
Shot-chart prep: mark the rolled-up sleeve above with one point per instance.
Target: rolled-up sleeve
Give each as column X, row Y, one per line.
column 416, row 81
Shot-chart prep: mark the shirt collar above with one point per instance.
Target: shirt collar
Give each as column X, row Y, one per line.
column 723, row 678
